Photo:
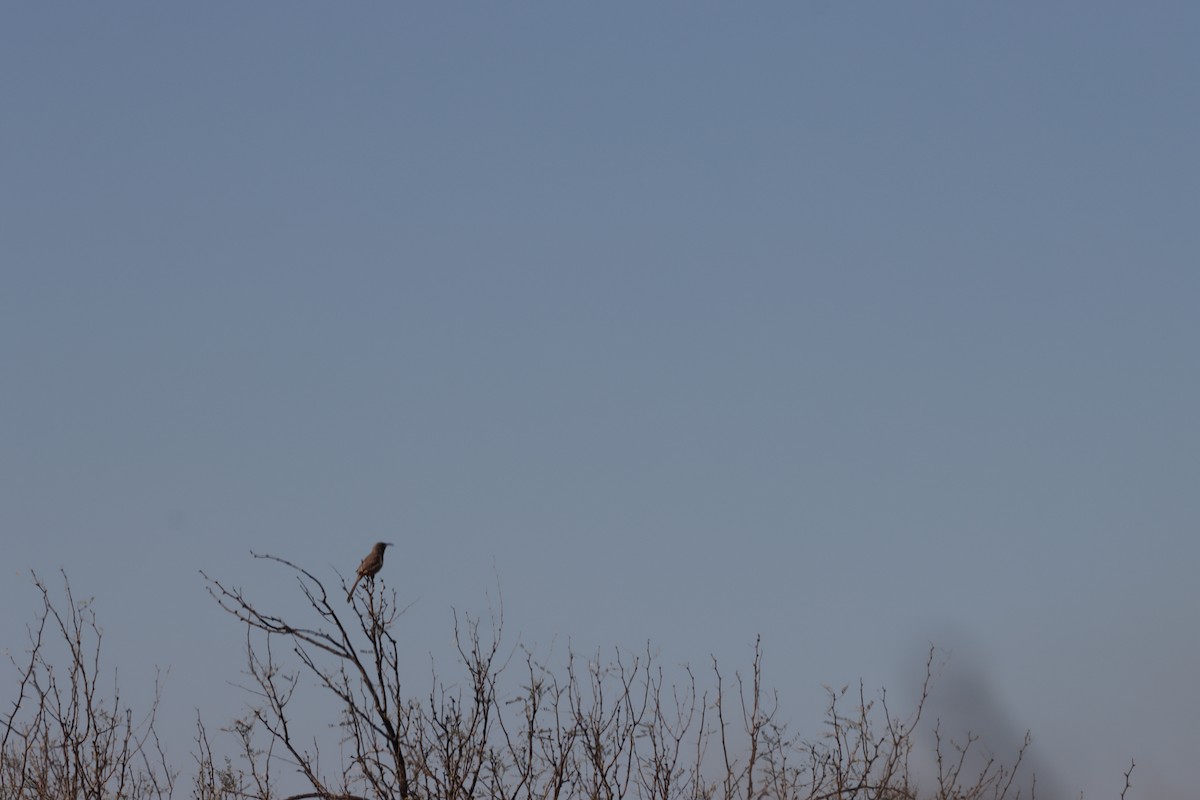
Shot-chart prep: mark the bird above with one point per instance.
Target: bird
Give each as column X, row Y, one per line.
column 369, row 567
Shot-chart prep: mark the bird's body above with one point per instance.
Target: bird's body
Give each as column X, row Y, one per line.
column 369, row 567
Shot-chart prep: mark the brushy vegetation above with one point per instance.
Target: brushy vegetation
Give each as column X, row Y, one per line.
column 506, row 728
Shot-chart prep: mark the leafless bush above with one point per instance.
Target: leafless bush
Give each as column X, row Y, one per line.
column 508, row 726
column 63, row 738
column 600, row 729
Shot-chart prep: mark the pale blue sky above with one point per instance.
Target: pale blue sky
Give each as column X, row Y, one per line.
column 856, row 325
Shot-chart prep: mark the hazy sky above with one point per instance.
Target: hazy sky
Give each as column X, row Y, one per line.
column 857, row 325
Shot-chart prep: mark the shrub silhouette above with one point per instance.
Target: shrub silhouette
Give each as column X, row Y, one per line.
column 507, row 728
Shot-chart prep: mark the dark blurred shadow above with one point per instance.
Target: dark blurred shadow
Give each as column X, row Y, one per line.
column 964, row 698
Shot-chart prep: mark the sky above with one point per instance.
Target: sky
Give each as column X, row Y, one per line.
column 859, row 326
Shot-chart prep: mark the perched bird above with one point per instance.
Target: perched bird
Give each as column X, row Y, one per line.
column 369, row 567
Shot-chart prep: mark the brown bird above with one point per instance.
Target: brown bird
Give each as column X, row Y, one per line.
column 369, row 567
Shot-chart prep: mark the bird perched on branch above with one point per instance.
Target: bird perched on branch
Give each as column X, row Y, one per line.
column 369, row 567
